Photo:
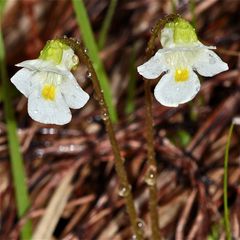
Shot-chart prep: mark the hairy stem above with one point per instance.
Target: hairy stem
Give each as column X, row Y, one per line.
column 151, row 174
column 125, row 188
column 150, row 177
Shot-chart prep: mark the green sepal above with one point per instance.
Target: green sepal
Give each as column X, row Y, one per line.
column 53, row 51
column 183, row 31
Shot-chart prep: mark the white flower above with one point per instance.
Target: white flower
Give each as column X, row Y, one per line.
column 49, row 85
column 181, row 55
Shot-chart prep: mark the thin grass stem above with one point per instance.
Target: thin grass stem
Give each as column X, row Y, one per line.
column 17, row 165
column 225, row 184
column 192, row 6
column 106, row 24
column 125, row 187
column 90, row 43
column 129, row 108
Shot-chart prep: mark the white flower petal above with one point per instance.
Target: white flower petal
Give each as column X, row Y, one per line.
column 69, row 59
column 167, row 38
column 43, row 66
column 35, row 64
column 209, row 64
column 171, row 93
column 74, row 96
column 22, row 80
column 153, row 67
column 47, row 111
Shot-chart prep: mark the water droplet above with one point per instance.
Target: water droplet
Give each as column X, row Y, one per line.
column 140, row 223
column 211, row 59
column 85, row 50
column 63, row 149
column 134, row 237
column 72, row 147
column 65, row 37
column 89, row 74
column 141, row 226
column 151, row 176
column 75, row 59
column 105, row 116
column 78, row 42
column 197, row 88
column 96, row 97
column 40, row 153
column 152, row 30
column 124, row 191
column 101, row 102
column 50, row 131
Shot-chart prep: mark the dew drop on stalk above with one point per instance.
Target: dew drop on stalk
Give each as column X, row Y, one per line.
column 96, row 97
column 101, row 102
column 85, row 50
column 124, row 191
column 40, row 153
column 151, row 176
column 104, row 116
column 89, row 74
column 75, row 59
column 140, row 225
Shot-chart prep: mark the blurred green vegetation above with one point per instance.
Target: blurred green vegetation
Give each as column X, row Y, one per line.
column 92, row 48
column 17, row 165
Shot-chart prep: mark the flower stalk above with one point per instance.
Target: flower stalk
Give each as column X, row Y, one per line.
column 151, row 174
column 125, row 187
column 181, row 55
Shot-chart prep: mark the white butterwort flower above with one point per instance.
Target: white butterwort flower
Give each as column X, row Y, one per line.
column 181, row 55
column 49, row 85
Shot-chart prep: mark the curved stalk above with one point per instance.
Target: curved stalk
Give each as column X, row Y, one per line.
column 125, row 189
column 151, row 175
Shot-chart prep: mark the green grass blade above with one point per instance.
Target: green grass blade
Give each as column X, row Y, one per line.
column 174, row 6
column 106, row 24
column 132, row 84
column 89, row 41
column 17, row 167
column 192, row 6
column 225, row 185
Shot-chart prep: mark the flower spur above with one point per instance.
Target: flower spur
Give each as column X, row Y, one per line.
column 181, row 55
column 49, row 85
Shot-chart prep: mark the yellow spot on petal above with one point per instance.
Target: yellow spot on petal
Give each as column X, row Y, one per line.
column 181, row 74
column 49, row 92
